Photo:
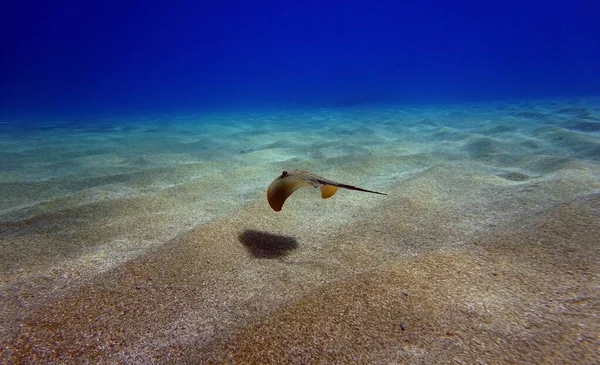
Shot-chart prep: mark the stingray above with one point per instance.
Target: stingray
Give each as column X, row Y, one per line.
column 289, row 181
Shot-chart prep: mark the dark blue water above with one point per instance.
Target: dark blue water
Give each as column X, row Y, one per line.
column 77, row 58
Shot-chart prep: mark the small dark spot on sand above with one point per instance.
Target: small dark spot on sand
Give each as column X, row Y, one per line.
column 483, row 148
column 514, row 176
column 583, row 125
column 538, row 116
column 576, row 111
column 403, row 326
column 501, row 129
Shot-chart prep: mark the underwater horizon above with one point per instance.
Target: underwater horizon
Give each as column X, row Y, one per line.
column 300, row 182
column 112, row 59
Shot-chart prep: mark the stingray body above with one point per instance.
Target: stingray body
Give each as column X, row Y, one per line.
column 289, row 181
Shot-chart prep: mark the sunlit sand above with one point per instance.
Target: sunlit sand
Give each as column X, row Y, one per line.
column 153, row 242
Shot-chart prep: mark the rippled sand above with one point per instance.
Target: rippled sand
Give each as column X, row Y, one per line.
column 151, row 241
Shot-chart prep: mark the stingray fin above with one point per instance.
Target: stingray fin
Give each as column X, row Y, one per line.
column 281, row 189
column 327, row 191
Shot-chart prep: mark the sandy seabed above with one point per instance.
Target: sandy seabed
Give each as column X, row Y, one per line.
column 151, row 241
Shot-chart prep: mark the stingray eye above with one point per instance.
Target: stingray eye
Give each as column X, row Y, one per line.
column 284, row 173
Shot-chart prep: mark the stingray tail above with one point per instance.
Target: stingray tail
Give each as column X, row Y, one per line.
column 350, row 187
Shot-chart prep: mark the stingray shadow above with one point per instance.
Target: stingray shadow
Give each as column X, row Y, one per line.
column 267, row 245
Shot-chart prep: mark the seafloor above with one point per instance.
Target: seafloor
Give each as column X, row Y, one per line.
column 150, row 241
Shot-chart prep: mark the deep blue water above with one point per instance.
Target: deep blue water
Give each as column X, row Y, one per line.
column 70, row 58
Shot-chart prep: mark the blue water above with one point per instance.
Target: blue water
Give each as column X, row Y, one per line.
column 72, row 58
